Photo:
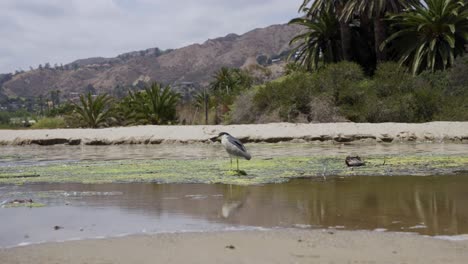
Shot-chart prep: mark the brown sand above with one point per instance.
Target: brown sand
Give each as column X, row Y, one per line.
column 279, row 246
column 340, row 132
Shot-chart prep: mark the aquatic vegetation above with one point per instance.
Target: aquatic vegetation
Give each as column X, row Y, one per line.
column 26, row 204
column 258, row 171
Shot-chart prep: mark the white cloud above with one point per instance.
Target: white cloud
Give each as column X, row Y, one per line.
column 60, row 31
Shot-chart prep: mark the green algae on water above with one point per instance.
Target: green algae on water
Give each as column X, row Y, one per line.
column 257, row 171
column 18, row 205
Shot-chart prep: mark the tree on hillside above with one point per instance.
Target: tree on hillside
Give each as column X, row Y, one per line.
column 55, row 98
column 224, row 81
column 227, row 81
column 430, row 35
column 90, row 89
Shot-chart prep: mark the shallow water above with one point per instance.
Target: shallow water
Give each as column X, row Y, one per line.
column 36, row 155
column 432, row 205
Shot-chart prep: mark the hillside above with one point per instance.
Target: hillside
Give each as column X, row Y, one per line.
column 190, row 66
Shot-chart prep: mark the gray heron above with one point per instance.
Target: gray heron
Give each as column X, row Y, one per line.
column 233, row 147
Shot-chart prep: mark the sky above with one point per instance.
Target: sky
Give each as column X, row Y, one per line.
column 34, row 32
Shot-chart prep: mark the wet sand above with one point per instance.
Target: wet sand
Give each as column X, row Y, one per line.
column 274, row 132
column 277, row 246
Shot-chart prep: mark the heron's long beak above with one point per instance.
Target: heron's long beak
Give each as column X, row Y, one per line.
column 214, row 139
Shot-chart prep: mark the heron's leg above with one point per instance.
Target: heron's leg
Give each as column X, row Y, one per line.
column 237, row 164
column 231, row 161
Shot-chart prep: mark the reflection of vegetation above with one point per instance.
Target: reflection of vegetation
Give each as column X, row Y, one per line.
column 430, row 205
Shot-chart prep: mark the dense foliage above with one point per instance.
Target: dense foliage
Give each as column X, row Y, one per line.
column 430, row 36
column 154, row 105
column 227, row 84
column 426, row 35
column 93, row 111
column 342, row 91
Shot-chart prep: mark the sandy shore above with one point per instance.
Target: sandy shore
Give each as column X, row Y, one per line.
column 275, row 132
column 280, row 246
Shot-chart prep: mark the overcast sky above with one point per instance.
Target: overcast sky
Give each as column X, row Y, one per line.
column 60, row 31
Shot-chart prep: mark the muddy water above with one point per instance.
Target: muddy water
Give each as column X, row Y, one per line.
column 433, row 205
column 35, row 155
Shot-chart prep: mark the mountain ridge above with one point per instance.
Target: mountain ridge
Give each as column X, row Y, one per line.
column 194, row 64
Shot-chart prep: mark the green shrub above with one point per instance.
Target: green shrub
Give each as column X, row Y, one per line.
column 50, row 123
column 358, row 104
column 339, row 78
column 322, row 109
column 290, row 97
column 458, row 77
column 390, row 79
column 455, row 108
column 397, row 96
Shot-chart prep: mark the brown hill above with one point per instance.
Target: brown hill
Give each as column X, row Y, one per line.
column 192, row 65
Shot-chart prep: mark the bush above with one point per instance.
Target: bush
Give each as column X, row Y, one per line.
column 243, row 110
column 458, row 77
column 455, row 108
column 401, row 97
column 341, row 92
column 339, row 78
column 390, row 79
column 323, row 110
column 358, row 104
column 290, row 96
column 50, row 123
column 455, row 92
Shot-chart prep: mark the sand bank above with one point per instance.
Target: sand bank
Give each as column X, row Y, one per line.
column 275, row 132
column 279, row 246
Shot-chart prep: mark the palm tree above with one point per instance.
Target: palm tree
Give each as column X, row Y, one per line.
column 320, row 42
column 430, row 35
column 226, row 84
column 336, row 6
column 93, row 112
column 375, row 10
column 203, row 100
column 224, row 81
column 155, row 105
